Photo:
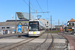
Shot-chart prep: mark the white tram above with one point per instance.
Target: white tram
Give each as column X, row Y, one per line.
column 36, row 28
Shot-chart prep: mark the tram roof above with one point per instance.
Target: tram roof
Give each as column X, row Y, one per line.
column 34, row 20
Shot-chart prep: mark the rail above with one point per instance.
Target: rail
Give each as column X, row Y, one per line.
column 41, row 43
column 50, row 47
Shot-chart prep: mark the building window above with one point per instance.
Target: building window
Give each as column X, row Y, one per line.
column 72, row 24
column 47, row 22
column 8, row 27
column 3, row 27
column 69, row 24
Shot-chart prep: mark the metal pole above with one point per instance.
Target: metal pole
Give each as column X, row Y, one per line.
column 51, row 23
column 36, row 13
column 58, row 22
column 29, row 10
column 15, row 23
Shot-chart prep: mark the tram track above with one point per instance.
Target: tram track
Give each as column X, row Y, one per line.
column 23, row 42
column 41, row 46
column 10, row 47
column 11, row 44
column 51, row 45
column 35, row 45
column 41, row 43
column 15, row 45
column 5, row 44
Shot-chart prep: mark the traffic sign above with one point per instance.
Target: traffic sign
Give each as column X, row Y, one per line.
column 65, row 24
column 19, row 28
column 63, row 27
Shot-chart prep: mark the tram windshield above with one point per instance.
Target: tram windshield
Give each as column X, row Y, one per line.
column 33, row 26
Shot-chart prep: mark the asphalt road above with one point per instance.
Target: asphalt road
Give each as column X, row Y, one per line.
column 33, row 44
column 9, row 40
column 59, row 42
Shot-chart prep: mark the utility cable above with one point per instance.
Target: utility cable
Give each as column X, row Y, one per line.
column 40, row 7
column 28, row 5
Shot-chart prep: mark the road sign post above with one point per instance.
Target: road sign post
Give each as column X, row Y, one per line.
column 19, row 28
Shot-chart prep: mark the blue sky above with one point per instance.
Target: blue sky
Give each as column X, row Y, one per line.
column 59, row 9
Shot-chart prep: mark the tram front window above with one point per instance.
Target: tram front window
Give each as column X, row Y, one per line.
column 33, row 26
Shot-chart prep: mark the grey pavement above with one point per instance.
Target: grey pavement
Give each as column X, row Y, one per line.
column 46, row 44
column 59, row 42
column 32, row 45
column 9, row 40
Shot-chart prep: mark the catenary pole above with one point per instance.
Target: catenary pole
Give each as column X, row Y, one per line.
column 29, row 11
column 51, row 22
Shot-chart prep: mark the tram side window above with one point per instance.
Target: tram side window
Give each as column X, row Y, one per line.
column 3, row 27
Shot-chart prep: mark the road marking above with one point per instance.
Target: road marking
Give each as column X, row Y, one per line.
column 59, row 40
column 33, row 41
column 10, row 40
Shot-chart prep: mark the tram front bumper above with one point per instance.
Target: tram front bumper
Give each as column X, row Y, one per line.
column 34, row 34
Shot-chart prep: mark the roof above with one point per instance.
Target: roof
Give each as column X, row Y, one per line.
column 17, row 20
column 11, row 23
column 72, row 20
column 23, row 15
column 34, row 20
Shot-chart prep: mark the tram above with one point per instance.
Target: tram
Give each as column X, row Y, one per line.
column 36, row 28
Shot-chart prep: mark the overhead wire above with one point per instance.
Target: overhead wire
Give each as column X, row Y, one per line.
column 40, row 7
column 47, row 7
column 32, row 6
column 28, row 5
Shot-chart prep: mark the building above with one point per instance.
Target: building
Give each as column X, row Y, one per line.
column 58, row 26
column 71, row 24
column 46, row 23
column 10, row 26
column 23, row 15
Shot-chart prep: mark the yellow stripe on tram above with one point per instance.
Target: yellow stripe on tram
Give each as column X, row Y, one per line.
column 33, row 32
